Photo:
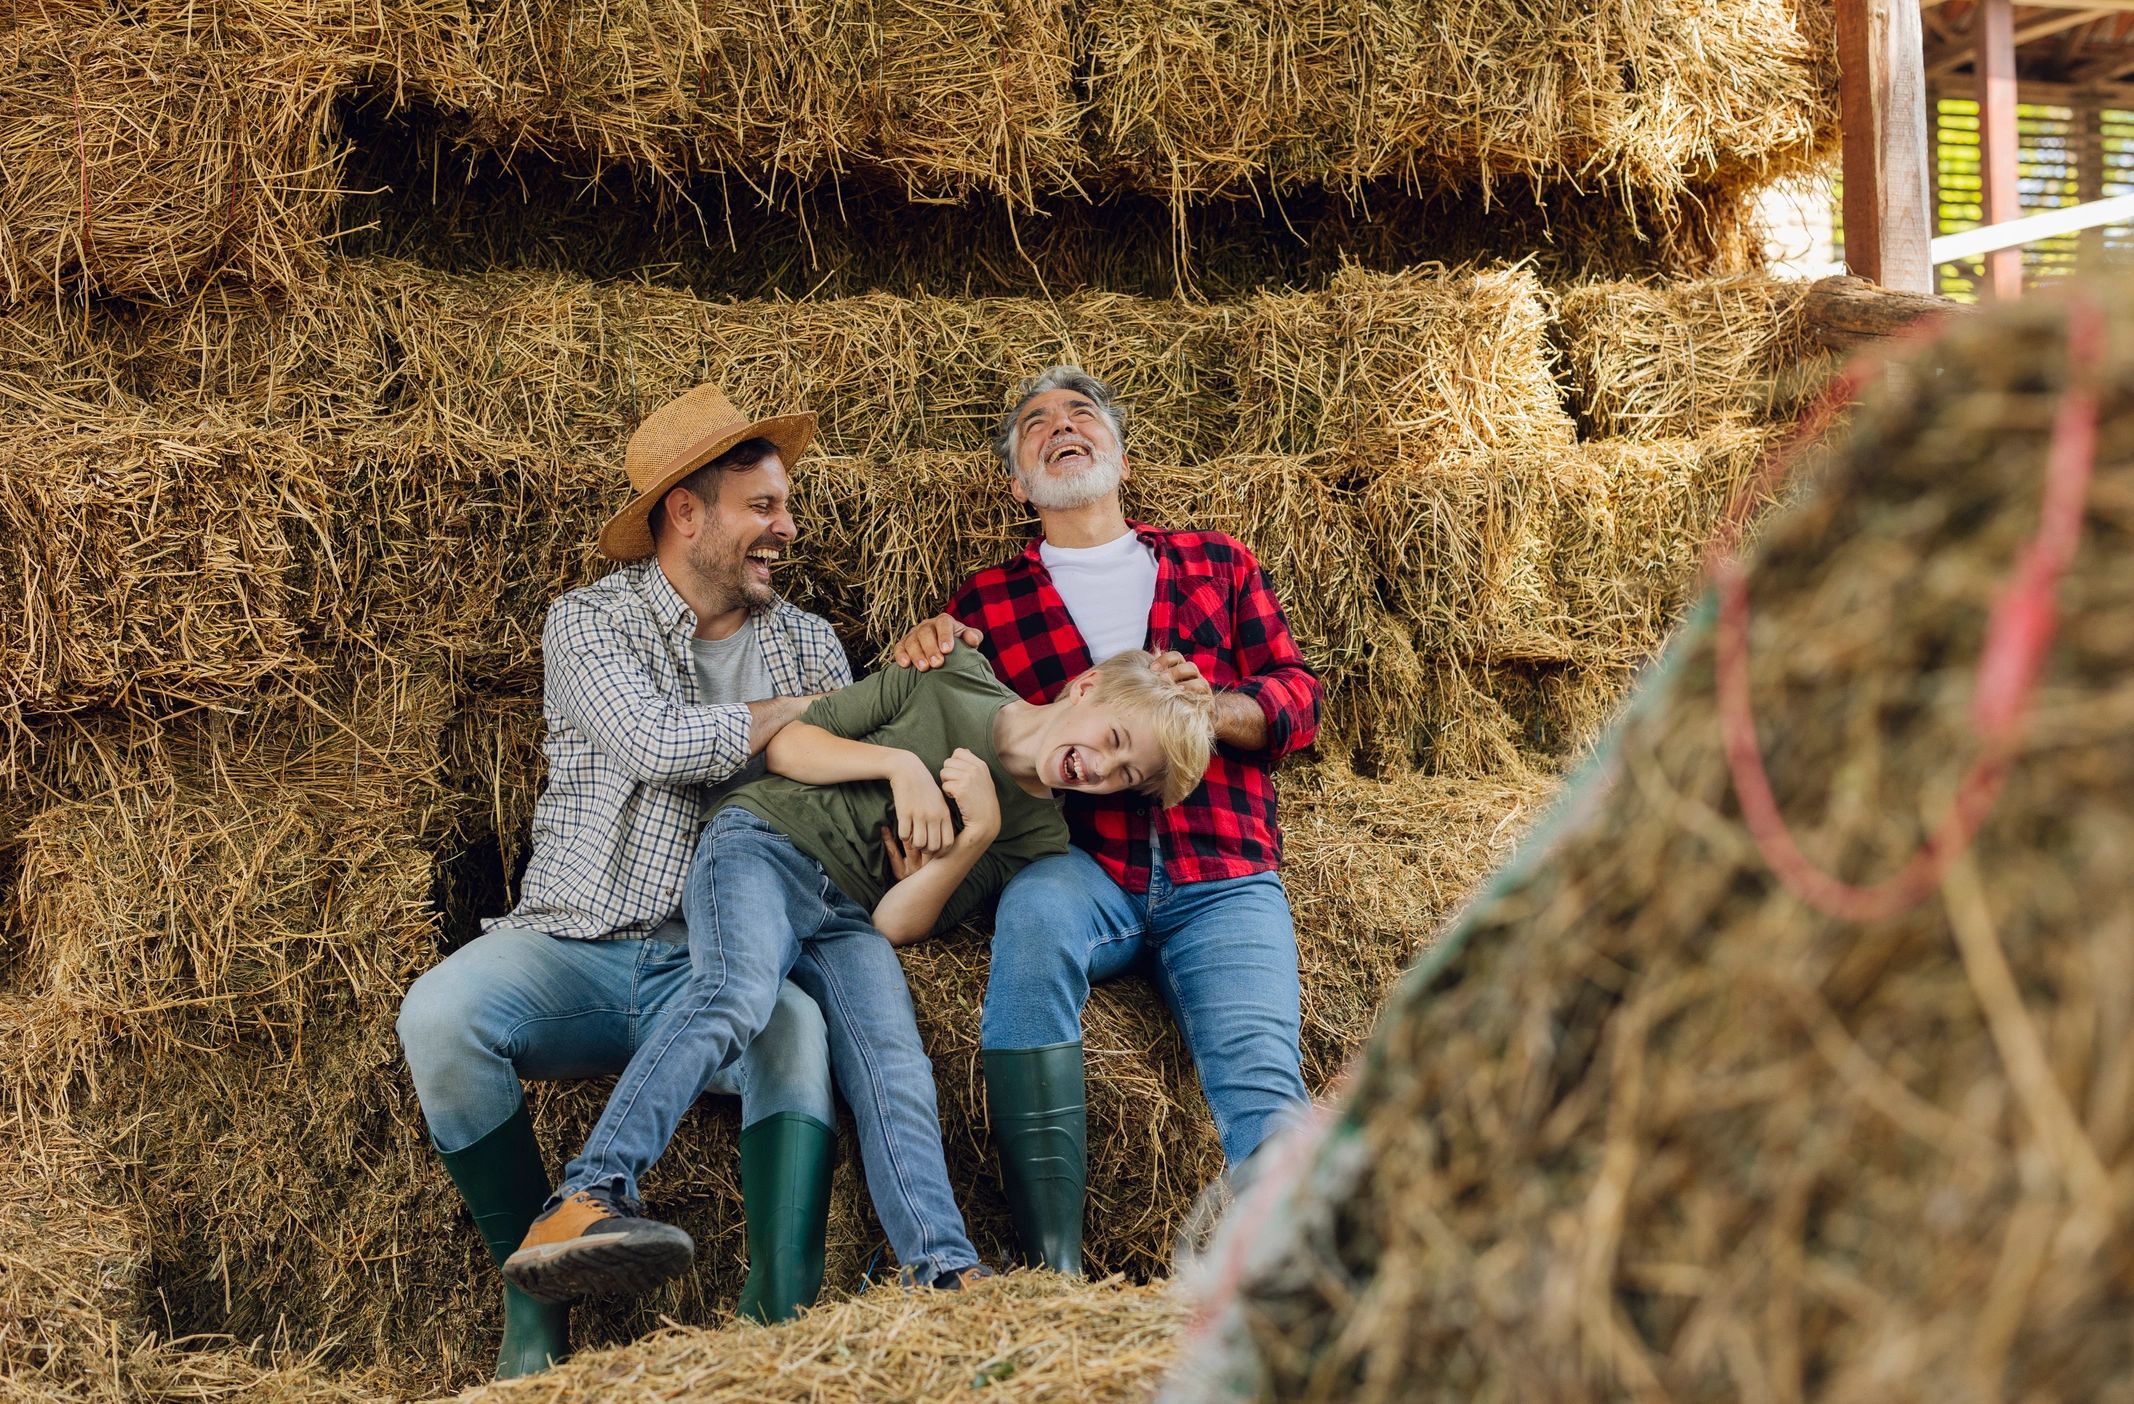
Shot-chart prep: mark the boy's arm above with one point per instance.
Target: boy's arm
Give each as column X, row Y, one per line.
column 909, row 910
column 815, row 756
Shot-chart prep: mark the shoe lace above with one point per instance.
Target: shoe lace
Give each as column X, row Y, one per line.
column 615, row 1204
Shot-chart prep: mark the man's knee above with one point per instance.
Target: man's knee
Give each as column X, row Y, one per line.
column 1046, row 904
column 789, row 1062
column 436, row 1021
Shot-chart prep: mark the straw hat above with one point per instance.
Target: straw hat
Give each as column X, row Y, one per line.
column 675, row 440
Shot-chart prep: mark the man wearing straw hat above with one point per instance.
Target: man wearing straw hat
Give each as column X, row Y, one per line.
column 663, row 682
column 1188, row 895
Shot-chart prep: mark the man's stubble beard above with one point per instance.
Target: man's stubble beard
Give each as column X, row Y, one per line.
column 724, row 576
column 1054, row 495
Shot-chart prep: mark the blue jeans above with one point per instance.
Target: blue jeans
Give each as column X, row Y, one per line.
column 758, row 907
column 1223, row 954
column 514, row 1003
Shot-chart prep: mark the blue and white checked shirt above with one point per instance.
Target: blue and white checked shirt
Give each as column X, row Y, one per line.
column 632, row 752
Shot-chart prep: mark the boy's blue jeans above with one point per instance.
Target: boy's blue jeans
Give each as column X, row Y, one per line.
column 514, row 1003
column 1222, row 953
column 757, row 908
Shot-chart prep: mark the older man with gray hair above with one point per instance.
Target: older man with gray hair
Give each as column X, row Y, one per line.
column 1187, row 896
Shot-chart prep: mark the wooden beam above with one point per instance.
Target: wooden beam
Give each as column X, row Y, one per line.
column 2107, row 70
column 1841, row 313
column 2046, row 224
column 1994, row 32
column 1942, row 61
column 1882, row 113
column 2042, row 93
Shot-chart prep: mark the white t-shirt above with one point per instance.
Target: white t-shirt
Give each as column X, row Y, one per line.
column 1108, row 591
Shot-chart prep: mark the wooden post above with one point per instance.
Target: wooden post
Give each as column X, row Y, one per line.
column 1994, row 32
column 1882, row 109
column 1934, row 228
column 2089, row 177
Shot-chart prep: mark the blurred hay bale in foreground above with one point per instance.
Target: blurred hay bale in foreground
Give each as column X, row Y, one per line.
column 143, row 160
column 1651, row 1123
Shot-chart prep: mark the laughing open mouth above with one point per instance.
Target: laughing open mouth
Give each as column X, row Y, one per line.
column 1071, row 766
column 1068, row 452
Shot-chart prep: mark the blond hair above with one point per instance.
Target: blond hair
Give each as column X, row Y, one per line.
column 1182, row 718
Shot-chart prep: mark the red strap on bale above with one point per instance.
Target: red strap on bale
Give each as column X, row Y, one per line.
column 2017, row 636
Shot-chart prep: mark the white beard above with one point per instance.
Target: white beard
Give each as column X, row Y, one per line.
column 1100, row 479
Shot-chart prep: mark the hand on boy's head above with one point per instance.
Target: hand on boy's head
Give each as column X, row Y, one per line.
column 966, row 780
column 929, row 644
column 1177, row 668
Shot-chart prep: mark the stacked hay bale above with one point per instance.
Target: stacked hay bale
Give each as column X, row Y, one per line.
column 284, row 521
column 152, row 146
column 336, row 525
column 1657, row 1121
column 1030, row 1337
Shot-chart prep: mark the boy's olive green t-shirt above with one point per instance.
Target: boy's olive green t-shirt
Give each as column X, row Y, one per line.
column 929, row 714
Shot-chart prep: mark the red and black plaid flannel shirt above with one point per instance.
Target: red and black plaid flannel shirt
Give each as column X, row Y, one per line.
column 1214, row 605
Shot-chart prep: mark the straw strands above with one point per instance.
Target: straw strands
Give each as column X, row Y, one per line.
column 141, row 160
column 1030, row 1336
column 155, row 148
column 1199, row 99
column 1670, row 360
column 206, row 604
column 273, row 715
column 425, row 458
column 1655, row 1124
column 258, row 1034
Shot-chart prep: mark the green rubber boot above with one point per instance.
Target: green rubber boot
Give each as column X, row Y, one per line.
column 785, row 1196
column 501, row 1178
column 1040, row 1123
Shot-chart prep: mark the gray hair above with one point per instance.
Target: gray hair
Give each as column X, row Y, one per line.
column 1056, row 378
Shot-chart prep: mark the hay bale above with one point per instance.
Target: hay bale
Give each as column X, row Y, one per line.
column 1429, row 361
column 1404, row 368
column 1196, row 99
column 215, row 968
column 450, row 551
column 1652, row 1123
column 945, row 103
column 1656, row 361
column 1029, row 1336
column 155, row 564
column 73, row 1258
column 225, row 889
column 143, row 160
column 1625, row 527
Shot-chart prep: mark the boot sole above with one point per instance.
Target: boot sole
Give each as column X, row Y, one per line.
column 600, row 1265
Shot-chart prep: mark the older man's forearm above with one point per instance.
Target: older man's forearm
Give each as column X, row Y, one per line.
column 1240, row 721
column 771, row 716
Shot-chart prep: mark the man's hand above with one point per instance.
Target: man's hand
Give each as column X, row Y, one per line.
column 903, row 862
column 929, row 645
column 923, row 821
column 772, row 715
column 1178, row 668
column 1239, row 721
column 966, row 780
